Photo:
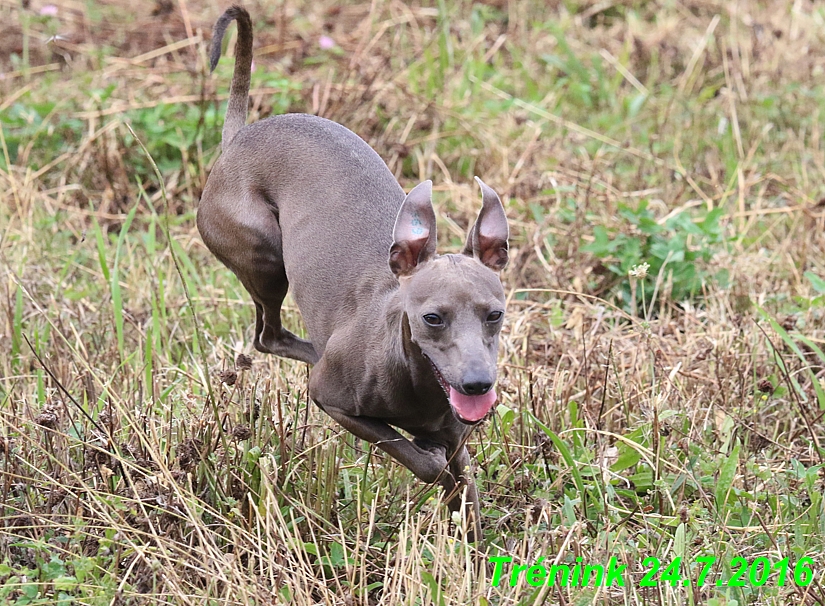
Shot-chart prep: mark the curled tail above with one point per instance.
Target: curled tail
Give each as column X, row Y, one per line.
column 239, row 91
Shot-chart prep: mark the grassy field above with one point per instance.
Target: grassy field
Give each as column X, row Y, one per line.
column 661, row 369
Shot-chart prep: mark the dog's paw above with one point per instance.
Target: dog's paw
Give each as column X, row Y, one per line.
column 431, row 447
column 433, row 460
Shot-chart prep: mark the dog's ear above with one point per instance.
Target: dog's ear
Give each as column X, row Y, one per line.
column 414, row 234
column 487, row 241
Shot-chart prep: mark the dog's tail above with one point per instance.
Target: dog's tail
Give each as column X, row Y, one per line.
column 239, row 91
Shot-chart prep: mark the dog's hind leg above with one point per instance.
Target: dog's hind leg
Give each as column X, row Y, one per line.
column 246, row 237
column 268, row 293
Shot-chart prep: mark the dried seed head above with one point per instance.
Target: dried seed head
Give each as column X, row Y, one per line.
column 189, row 454
column 705, row 347
column 241, row 432
column 521, row 483
column 243, row 362
column 229, row 377
column 105, row 415
column 758, row 442
column 47, row 418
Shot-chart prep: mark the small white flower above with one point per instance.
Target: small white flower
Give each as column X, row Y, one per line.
column 639, row 271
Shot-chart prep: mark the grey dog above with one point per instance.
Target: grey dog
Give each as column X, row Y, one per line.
column 399, row 336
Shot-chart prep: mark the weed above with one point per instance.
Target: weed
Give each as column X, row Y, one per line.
column 677, row 251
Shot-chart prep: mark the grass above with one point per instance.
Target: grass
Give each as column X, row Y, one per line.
column 672, row 411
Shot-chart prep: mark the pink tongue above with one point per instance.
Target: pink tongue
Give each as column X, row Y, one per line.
column 472, row 408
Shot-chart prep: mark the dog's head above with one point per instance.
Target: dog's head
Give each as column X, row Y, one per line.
column 454, row 303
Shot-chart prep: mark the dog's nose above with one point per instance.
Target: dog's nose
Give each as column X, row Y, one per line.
column 477, row 388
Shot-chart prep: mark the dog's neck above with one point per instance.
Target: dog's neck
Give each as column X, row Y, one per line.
column 401, row 352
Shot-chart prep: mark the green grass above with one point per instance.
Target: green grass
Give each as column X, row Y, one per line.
column 675, row 415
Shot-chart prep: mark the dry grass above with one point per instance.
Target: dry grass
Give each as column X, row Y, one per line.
column 142, row 462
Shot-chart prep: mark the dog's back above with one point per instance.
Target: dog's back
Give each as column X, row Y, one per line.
column 336, row 202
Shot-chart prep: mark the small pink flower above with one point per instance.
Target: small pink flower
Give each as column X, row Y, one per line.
column 49, row 10
column 252, row 66
column 325, row 42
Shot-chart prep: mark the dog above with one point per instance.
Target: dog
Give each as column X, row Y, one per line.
column 399, row 336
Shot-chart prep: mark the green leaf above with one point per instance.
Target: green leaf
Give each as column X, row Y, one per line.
column 601, row 246
column 565, row 454
column 628, row 457
column 636, row 104
column 679, row 541
column 436, row 594
column 311, row 548
column 642, row 480
column 727, row 473
column 791, row 343
column 101, row 248
column 507, row 415
column 117, row 302
column 817, row 282
column 568, row 510
column 64, row 583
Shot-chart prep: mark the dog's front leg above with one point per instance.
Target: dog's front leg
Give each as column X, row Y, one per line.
column 426, row 463
column 454, row 483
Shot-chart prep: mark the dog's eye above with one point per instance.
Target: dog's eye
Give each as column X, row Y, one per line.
column 495, row 316
column 433, row 320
